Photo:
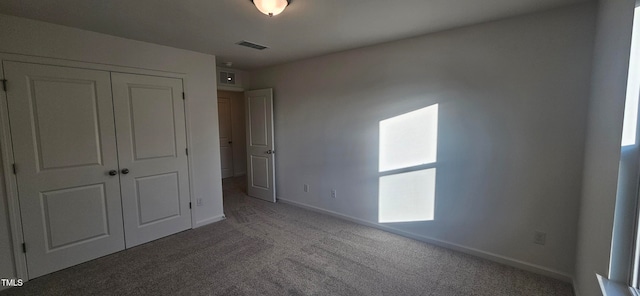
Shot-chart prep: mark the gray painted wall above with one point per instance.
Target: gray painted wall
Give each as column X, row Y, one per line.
column 608, row 91
column 29, row 37
column 513, row 107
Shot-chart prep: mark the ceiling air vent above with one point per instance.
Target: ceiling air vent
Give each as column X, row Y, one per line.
column 251, row 45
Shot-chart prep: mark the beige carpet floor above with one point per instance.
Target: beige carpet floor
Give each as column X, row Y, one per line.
column 278, row 249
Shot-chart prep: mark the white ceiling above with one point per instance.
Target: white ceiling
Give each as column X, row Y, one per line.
column 306, row 28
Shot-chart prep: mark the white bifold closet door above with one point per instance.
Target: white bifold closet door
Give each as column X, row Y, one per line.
column 64, row 147
column 152, row 145
column 100, row 158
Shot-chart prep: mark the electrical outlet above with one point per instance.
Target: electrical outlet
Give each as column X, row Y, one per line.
column 199, row 202
column 539, row 237
column 333, row 193
column 306, row 188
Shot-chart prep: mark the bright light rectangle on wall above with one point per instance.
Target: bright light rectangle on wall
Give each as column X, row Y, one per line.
column 409, row 139
column 407, row 197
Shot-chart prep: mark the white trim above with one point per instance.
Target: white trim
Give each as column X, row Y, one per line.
column 612, row 288
column 230, row 88
column 7, row 148
column 187, row 126
column 456, row 247
column 209, row 221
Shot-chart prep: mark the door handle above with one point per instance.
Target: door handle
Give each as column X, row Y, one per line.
column 113, row 172
column 230, row 142
column 125, row 171
column 271, row 152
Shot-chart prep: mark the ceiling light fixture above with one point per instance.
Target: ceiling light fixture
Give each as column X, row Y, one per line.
column 271, row 7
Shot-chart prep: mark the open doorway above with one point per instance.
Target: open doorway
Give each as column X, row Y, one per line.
column 241, row 164
column 231, row 120
column 233, row 150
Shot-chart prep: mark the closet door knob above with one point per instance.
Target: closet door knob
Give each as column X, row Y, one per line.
column 125, row 171
column 113, row 172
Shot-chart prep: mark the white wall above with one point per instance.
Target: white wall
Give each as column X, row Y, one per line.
column 606, row 109
column 35, row 38
column 513, row 107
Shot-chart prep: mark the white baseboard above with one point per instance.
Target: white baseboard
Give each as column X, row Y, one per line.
column 209, row 221
column 456, row 247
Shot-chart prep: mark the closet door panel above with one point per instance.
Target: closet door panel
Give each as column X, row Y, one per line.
column 64, row 146
column 150, row 124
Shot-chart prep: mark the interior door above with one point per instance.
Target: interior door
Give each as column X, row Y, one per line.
column 150, row 125
column 224, row 123
column 260, row 150
column 64, row 149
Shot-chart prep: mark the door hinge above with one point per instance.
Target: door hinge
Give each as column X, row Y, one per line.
column 24, row 247
column 189, row 204
column 186, row 150
column 15, row 169
column 184, row 97
column 4, row 84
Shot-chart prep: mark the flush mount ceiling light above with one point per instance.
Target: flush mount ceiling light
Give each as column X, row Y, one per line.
column 271, row 7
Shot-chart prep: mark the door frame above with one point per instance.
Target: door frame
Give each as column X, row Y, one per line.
column 6, row 144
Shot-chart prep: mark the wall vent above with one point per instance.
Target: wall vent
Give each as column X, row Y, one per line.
column 228, row 78
column 252, row 45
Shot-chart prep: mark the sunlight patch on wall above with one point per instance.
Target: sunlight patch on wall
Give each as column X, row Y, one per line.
column 408, row 155
column 409, row 139
column 407, row 197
